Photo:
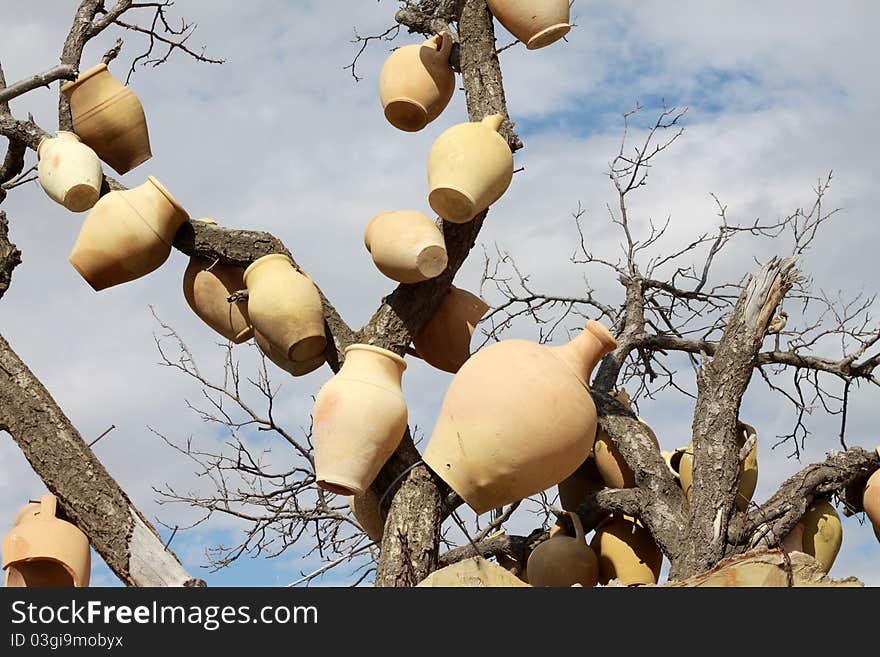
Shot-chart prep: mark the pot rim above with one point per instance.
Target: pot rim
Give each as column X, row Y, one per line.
column 168, row 195
column 263, row 260
column 68, row 87
column 377, row 350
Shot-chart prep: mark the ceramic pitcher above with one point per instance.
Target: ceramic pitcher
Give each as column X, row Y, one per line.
column 564, row 560
column 406, row 246
column 445, row 340
column 69, row 171
column 537, row 23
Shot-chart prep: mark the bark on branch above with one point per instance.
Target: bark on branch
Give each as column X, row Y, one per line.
column 44, row 79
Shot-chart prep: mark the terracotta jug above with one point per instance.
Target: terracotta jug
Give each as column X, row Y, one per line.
column 748, row 473
column 128, row 234
column 406, row 246
column 469, row 168
column 69, row 171
column 365, row 508
column 537, row 23
column 445, row 340
column 610, row 463
column 871, row 501
column 491, row 443
column 42, row 550
column 359, row 419
column 285, row 307
column 109, row 117
column 823, row 533
column 206, row 287
column 575, row 488
column 627, row 552
column 417, row 83
column 564, row 561
column 279, row 357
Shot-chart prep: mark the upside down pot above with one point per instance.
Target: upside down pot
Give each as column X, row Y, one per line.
column 406, row 246
column 537, row 23
column 819, row 533
column 445, row 340
column 69, row 171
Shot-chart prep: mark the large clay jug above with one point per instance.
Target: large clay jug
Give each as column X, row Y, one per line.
column 128, row 234
column 359, row 419
column 564, row 561
column 285, row 307
column 69, row 171
column 575, row 488
column 365, row 508
column 279, row 357
column 444, row 341
column 417, row 83
column 470, row 166
column 627, row 552
column 109, row 117
column 42, row 550
column 871, row 501
column 517, row 418
column 823, row 533
column 748, row 473
column 207, row 286
column 406, row 246
column 609, row 461
column 537, row 23
column 473, row 572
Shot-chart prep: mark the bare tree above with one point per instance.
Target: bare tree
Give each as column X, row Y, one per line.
column 671, row 306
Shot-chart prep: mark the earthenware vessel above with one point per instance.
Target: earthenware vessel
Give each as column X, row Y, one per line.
column 871, row 501
column 583, row 481
column 627, row 552
column 445, row 340
column 406, row 246
column 365, row 508
column 609, row 461
column 563, row 560
column 537, row 23
column 69, row 171
column 280, row 358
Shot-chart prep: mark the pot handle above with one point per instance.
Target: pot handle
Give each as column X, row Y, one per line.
column 578, row 527
column 493, row 121
column 442, row 43
column 48, row 507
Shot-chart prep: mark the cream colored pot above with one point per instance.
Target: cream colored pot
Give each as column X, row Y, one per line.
column 279, row 357
column 491, row 443
column 406, row 246
column 627, row 552
column 445, row 340
column 359, row 419
column 417, row 83
column 610, row 463
column 470, row 166
column 871, row 501
column 109, row 117
column 748, row 474
column 564, row 560
column 285, row 307
column 128, row 234
column 42, row 550
column 69, row 171
column 823, row 533
column 575, row 488
column 537, row 23
column 365, row 508
column 207, row 286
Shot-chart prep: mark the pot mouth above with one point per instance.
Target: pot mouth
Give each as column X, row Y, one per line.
column 262, row 261
column 377, row 350
column 68, row 87
column 602, row 334
column 169, row 196
column 207, row 220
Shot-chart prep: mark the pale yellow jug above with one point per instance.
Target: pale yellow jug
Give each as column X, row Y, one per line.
column 417, row 83
column 470, row 166
column 822, row 533
column 285, row 307
column 445, row 340
column 537, row 23
column 69, row 171
column 563, row 560
column 627, row 552
column 406, row 246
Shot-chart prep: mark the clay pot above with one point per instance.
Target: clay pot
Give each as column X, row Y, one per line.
column 445, row 340
column 537, row 23
column 491, row 443
column 406, row 246
column 417, row 83
column 871, row 501
column 564, row 561
column 279, row 357
column 365, row 508
column 206, row 287
column 575, row 488
column 42, row 550
column 474, row 572
column 610, row 463
column 285, row 307
column 359, row 419
column 627, row 552
column 109, row 117
column 823, row 533
column 69, row 171
column 128, row 234
column 748, row 473
column 470, row 166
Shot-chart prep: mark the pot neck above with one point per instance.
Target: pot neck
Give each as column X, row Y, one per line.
column 584, row 352
column 373, row 364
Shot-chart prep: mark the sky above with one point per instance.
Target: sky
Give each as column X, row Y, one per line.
column 282, row 138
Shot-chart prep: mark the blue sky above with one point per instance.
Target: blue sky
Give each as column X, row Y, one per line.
column 281, row 138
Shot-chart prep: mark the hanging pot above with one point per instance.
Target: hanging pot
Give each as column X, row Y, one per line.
column 279, row 357
column 207, row 286
column 109, row 117
column 748, row 473
column 128, row 234
column 627, row 552
column 491, row 443
column 417, row 83
column 359, row 419
column 445, row 340
column 871, row 501
column 609, row 461
column 469, row 168
column 564, row 561
column 42, row 550
column 583, row 481
column 537, row 23
column 69, row 171
column 365, row 508
column 406, row 246
column 473, row 572
column 285, row 307
column 822, row 533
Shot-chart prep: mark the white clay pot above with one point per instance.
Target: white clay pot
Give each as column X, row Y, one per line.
column 69, row 171
column 406, row 246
